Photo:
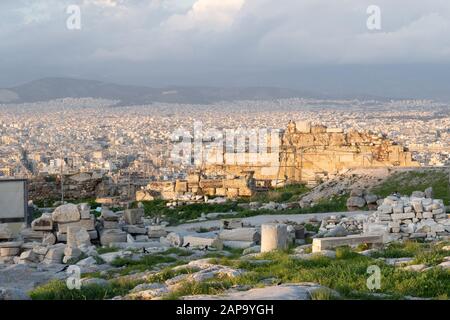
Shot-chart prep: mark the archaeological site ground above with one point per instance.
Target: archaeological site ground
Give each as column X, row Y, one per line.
column 238, row 159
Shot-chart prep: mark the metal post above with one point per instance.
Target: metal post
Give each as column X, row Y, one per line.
column 62, row 181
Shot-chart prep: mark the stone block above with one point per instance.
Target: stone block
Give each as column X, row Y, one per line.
column 112, row 235
column 62, row 237
column 238, row 244
column 402, row 216
column 133, row 216
column 110, row 224
column 181, row 186
column 222, row 192
column 385, row 209
column 427, row 215
column 240, row 234
column 417, row 206
column 66, row 213
column 54, row 254
column 320, row 244
column 134, row 229
column 273, row 237
column 202, row 241
column 9, row 252
column 232, row 223
column 77, row 237
column 5, row 232
column 398, row 208
column 156, row 232
column 44, row 223
column 232, row 192
column 49, row 239
column 109, row 215
column 88, row 224
column 30, row 235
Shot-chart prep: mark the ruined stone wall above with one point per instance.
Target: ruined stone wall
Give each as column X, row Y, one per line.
column 311, row 153
column 195, row 185
column 79, row 186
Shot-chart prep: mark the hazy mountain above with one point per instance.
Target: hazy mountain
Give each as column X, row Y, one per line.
column 55, row 88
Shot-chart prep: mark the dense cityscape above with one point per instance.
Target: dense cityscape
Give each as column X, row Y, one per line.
column 93, row 135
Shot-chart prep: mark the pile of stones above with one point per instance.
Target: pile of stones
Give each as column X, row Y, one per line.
column 340, row 226
column 71, row 231
column 359, row 199
column 8, row 248
column 417, row 216
column 53, row 227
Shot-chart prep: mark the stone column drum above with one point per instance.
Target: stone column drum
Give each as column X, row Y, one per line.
column 274, row 237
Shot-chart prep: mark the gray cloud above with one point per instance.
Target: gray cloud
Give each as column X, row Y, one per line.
column 192, row 41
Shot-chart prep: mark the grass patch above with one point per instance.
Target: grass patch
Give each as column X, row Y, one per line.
column 158, row 208
column 323, row 294
column 286, row 193
column 103, row 250
column 406, row 249
column 79, row 258
column 58, row 290
column 146, row 263
column 177, row 251
column 347, row 274
column 180, row 214
column 407, row 182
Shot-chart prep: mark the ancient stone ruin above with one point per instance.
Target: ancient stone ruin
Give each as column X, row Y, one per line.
column 196, row 186
column 312, row 153
column 418, row 216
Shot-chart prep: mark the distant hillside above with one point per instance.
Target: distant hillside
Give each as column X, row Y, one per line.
column 55, row 88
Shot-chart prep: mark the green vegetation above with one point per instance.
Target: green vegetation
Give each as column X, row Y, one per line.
column 286, row 193
column 178, row 251
column 334, row 204
column 347, row 274
column 102, row 250
column 58, row 290
column 400, row 250
column 158, row 208
column 423, row 253
column 147, row 262
column 407, row 182
column 79, row 258
column 323, row 294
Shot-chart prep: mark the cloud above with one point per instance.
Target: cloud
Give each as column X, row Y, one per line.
column 208, row 14
column 198, row 36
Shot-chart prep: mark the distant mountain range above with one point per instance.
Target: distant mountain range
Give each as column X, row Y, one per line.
column 56, row 88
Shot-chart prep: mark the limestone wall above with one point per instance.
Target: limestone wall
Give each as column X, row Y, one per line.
column 79, row 186
column 195, row 185
column 312, row 152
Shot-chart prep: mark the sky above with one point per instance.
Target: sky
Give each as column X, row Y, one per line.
column 319, row 45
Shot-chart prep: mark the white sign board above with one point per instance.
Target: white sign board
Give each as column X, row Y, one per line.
column 13, row 201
